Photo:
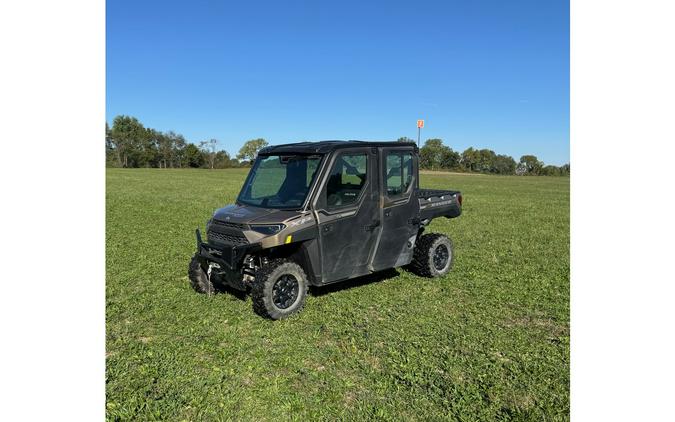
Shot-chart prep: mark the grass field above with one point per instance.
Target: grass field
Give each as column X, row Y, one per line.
column 490, row 341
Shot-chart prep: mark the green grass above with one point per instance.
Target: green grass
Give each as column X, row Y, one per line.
column 490, row 341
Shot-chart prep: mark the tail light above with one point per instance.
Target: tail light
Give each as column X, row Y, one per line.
column 459, row 199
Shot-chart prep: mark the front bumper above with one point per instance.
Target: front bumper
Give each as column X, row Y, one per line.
column 228, row 259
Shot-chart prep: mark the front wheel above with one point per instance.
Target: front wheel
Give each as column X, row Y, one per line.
column 433, row 255
column 279, row 290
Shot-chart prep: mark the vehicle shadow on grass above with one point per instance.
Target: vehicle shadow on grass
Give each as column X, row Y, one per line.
column 318, row 291
column 238, row 294
column 355, row 282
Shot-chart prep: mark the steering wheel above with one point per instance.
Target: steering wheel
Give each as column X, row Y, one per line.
column 294, row 196
column 334, row 200
column 298, row 195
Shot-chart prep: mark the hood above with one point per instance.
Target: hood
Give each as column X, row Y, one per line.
column 247, row 214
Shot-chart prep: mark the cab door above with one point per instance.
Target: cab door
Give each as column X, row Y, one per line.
column 347, row 213
column 400, row 207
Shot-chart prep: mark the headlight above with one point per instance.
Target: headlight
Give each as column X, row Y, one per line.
column 268, row 229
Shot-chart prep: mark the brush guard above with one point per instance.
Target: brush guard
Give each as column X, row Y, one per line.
column 224, row 262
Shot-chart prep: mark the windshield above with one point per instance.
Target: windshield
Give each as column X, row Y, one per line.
column 280, row 181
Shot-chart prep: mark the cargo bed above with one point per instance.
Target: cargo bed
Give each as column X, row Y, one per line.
column 439, row 203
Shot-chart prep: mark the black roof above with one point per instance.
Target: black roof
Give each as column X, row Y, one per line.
column 323, row 147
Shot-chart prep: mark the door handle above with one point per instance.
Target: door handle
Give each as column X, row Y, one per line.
column 372, row 226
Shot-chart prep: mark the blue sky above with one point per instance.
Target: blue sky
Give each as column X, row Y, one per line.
column 488, row 74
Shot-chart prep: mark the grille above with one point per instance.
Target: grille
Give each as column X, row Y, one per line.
column 231, row 225
column 231, row 239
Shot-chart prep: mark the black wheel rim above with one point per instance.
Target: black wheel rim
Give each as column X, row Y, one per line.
column 285, row 291
column 441, row 257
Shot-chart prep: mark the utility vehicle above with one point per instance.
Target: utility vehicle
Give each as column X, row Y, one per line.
column 316, row 213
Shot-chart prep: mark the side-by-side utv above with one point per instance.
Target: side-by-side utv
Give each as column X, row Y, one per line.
column 316, row 213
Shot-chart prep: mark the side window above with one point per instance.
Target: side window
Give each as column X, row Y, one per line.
column 346, row 180
column 399, row 168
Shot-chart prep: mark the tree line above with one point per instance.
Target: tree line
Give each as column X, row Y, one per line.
column 130, row 144
column 436, row 156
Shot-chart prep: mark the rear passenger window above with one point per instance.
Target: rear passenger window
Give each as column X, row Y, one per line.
column 399, row 172
column 346, row 179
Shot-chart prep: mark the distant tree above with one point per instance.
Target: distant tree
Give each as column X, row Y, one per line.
column 470, row 159
column 426, row 160
column 431, row 154
column 209, row 150
column 165, row 145
column 109, row 146
column 485, row 161
column 150, row 155
column 405, row 139
column 223, row 160
column 108, row 136
column 504, row 164
column 550, row 171
column 194, row 156
column 435, row 155
column 249, row 151
column 529, row 164
column 565, row 170
column 127, row 137
column 179, row 146
column 449, row 158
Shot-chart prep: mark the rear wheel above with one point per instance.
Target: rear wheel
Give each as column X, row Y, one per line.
column 198, row 278
column 279, row 289
column 433, row 255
